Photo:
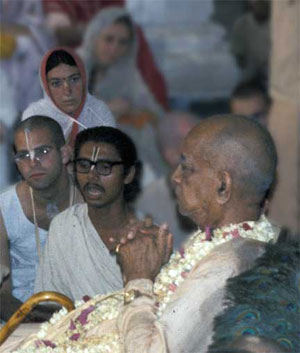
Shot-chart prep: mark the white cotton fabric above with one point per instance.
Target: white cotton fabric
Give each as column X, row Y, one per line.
column 94, row 113
column 75, row 261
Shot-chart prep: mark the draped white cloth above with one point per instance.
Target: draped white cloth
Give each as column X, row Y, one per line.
column 75, row 261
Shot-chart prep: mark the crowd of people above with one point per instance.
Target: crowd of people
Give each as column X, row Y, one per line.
column 153, row 221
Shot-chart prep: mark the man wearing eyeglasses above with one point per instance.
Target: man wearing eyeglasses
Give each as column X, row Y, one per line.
column 27, row 208
column 79, row 257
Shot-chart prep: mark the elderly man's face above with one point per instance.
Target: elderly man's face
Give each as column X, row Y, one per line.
column 195, row 183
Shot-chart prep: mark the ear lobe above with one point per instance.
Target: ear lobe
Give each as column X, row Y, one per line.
column 130, row 176
column 224, row 187
column 66, row 153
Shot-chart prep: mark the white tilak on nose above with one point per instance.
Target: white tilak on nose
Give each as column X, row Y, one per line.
column 95, row 154
column 30, row 150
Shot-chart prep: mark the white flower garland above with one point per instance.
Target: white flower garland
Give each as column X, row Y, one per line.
column 102, row 308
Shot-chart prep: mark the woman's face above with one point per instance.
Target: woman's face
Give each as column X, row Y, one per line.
column 112, row 43
column 66, row 87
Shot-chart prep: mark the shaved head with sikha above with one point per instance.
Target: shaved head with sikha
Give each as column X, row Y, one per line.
column 227, row 167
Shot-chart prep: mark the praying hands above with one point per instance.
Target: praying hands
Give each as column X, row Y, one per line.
column 146, row 249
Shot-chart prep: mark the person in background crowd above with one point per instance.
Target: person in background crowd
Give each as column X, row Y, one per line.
column 226, row 168
column 250, row 41
column 251, row 99
column 109, row 51
column 23, row 23
column 78, row 258
column 157, row 199
column 27, row 208
column 68, row 21
column 8, row 116
column 66, row 98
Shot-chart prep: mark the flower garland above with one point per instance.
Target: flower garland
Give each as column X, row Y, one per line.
column 74, row 338
column 198, row 246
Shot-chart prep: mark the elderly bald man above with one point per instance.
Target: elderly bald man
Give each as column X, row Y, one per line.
column 226, row 168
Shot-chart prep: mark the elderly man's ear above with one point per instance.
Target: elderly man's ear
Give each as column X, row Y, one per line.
column 224, row 187
column 66, row 153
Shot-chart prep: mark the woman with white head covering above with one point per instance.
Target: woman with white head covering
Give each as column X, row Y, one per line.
column 66, row 98
column 109, row 51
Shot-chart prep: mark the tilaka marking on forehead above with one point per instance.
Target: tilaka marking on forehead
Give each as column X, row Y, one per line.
column 30, row 150
column 95, row 154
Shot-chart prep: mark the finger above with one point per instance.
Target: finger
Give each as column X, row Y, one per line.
column 161, row 240
column 112, row 240
column 169, row 247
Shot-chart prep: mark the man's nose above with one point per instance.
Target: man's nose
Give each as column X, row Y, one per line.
column 92, row 174
column 34, row 161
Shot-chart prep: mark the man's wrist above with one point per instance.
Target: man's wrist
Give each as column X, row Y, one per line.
column 133, row 294
column 137, row 276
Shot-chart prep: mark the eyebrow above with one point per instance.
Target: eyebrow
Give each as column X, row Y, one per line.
column 41, row 146
column 60, row 78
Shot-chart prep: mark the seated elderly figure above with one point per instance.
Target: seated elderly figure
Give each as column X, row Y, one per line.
column 226, row 169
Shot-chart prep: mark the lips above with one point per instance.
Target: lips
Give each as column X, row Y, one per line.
column 37, row 175
column 93, row 190
column 69, row 102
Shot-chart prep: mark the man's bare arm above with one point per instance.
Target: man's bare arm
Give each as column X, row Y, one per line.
column 9, row 304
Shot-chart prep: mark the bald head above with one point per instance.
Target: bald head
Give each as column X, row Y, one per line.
column 240, row 146
column 38, row 122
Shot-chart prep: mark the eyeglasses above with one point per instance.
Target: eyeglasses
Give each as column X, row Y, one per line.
column 102, row 167
column 39, row 154
column 72, row 81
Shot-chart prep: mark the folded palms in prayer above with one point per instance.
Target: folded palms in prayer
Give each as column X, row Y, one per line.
column 145, row 251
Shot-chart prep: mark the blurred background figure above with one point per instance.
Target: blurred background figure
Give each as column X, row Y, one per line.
column 251, row 99
column 8, row 116
column 23, row 21
column 250, row 40
column 67, row 20
column 157, row 199
column 109, row 51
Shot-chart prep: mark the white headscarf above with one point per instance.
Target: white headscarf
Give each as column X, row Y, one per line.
column 122, row 79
